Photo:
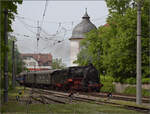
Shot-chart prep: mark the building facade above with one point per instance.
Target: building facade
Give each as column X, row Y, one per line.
column 78, row 34
column 36, row 62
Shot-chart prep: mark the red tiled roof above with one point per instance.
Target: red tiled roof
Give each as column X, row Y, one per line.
column 41, row 58
column 106, row 25
column 37, row 69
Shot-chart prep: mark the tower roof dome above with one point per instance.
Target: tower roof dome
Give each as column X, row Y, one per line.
column 83, row 27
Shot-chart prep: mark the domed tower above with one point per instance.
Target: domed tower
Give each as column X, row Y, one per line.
column 78, row 34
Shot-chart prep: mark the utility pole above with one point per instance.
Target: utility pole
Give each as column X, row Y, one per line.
column 138, row 65
column 13, row 64
column 99, row 64
column 38, row 37
column 38, row 34
column 16, row 62
column 5, row 56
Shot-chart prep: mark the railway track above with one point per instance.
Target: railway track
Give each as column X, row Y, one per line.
column 46, row 98
column 116, row 96
column 57, row 97
column 61, row 97
column 119, row 97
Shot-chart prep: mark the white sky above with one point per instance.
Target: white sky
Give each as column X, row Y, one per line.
column 68, row 13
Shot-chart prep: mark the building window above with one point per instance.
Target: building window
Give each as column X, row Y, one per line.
column 32, row 63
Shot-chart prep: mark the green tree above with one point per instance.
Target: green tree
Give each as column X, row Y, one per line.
column 11, row 6
column 122, row 52
column 57, row 64
column 19, row 64
column 119, row 6
column 89, row 53
column 117, row 42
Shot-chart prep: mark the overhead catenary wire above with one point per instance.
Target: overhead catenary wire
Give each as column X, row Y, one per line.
column 25, row 26
column 39, row 27
column 24, row 35
column 34, row 38
column 62, row 22
column 21, row 20
column 50, row 36
column 44, row 31
column 59, row 25
column 61, row 29
column 46, row 34
column 46, row 4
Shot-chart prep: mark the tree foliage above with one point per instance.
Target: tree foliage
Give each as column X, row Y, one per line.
column 57, row 64
column 113, row 46
column 11, row 6
column 118, row 6
column 19, row 64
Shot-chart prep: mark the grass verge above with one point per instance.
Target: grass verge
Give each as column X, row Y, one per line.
column 78, row 108
column 14, row 107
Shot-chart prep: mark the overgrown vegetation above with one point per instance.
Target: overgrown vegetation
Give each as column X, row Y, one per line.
column 131, row 80
column 146, row 81
column 132, row 91
column 108, row 85
column 107, row 82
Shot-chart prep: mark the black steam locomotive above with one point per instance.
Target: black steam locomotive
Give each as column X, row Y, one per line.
column 79, row 78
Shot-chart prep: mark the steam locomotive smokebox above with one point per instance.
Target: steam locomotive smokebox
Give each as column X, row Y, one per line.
column 90, row 74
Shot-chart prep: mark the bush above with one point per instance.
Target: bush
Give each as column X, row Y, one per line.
column 132, row 91
column 107, row 82
column 130, row 81
column 146, row 81
column 133, row 81
column 104, row 79
column 108, row 87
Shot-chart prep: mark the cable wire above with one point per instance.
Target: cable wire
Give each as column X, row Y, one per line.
column 25, row 26
column 46, row 4
column 26, row 23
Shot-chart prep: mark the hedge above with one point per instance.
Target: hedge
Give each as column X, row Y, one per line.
column 133, row 81
column 132, row 91
column 125, row 81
